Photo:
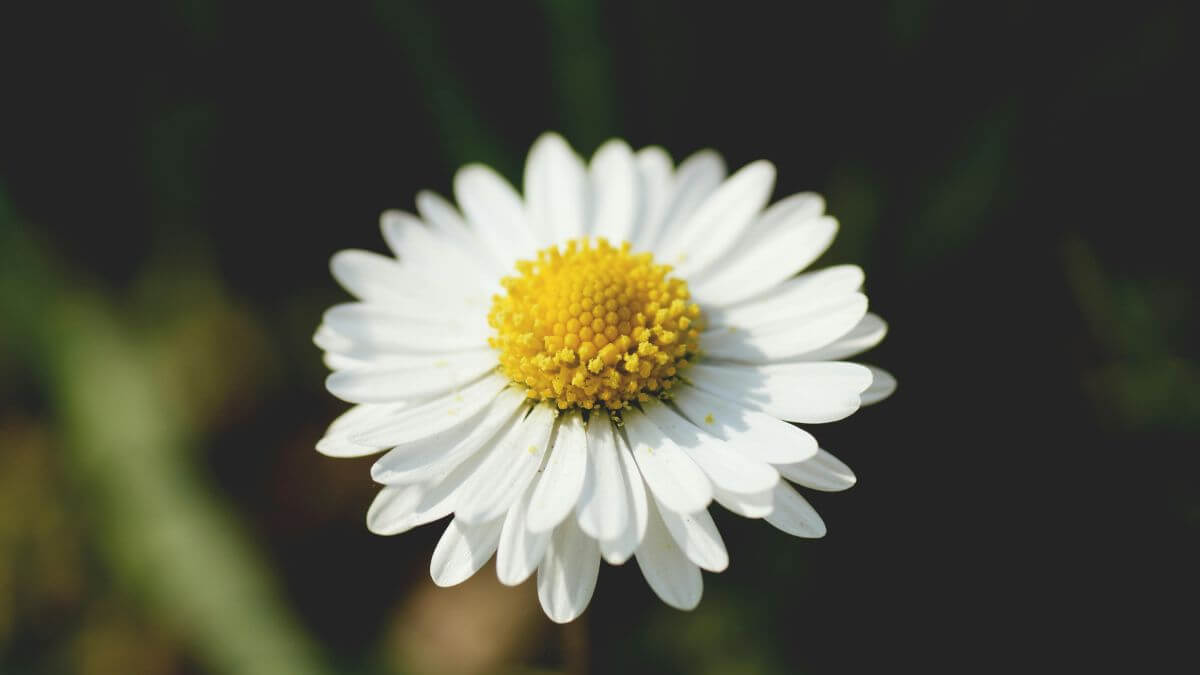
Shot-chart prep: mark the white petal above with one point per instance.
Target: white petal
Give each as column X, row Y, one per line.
column 449, row 224
column 768, row 259
column 431, row 253
column 792, row 298
column 520, row 551
column 821, row 472
column 618, row 549
column 381, row 384
column 882, row 386
column 376, row 328
column 794, row 515
column 330, row 340
column 358, row 415
column 434, row 499
column 363, row 357
column 567, row 577
column 434, row 417
column 357, row 359
column 674, row 479
column 727, row 468
column 411, row 241
column 604, row 503
column 409, row 312
column 399, row 508
column 698, row 538
column 556, row 190
column 414, row 352
column 563, row 475
column 756, row 505
column 695, row 179
column 370, row 276
column 614, row 192
column 795, row 208
column 338, row 439
column 507, row 468
column 789, row 338
column 717, row 223
column 496, row 213
column 672, row 577
column 812, row 392
column 417, row 461
column 392, row 506
column 334, row 361
column 462, row 550
column 868, row 333
column 655, row 174
column 749, row 431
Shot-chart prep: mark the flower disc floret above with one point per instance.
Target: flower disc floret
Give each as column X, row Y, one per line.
column 590, row 324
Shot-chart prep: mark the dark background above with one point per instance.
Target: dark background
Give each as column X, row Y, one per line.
column 1017, row 179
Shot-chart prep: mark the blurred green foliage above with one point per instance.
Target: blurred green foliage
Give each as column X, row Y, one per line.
column 130, row 393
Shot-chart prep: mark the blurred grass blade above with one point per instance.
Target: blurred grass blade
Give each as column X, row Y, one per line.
column 160, row 529
column 464, row 134
column 582, row 72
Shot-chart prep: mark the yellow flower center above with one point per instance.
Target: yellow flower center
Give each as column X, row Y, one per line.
column 591, row 324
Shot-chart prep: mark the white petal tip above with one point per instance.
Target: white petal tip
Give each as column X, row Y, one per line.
column 550, row 137
column 470, row 173
column 616, row 559
column 761, row 167
column 686, row 605
column 883, row 384
column 511, row 579
column 447, row 582
column 342, row 448
column 561, row 619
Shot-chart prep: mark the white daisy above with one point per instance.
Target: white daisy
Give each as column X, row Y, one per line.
column 575, row 375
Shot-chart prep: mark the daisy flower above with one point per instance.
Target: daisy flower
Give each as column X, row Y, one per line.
column 578, row 373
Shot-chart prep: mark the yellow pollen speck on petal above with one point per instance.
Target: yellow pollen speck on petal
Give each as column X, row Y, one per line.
column 533, row 450
column 590, row 324
column 708, row 419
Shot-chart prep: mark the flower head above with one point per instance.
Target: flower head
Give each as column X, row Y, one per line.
column 578, row 373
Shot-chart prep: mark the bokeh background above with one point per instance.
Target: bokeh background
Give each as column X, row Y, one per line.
column 1017, row 179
